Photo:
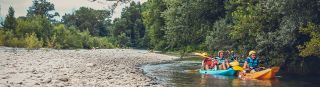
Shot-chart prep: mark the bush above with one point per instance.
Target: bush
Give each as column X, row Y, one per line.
column 32, row 41
column 16, row 42
column 52, row 41
column 102, row 42
column 86, row 39
column 2, row 37
column 72, row 41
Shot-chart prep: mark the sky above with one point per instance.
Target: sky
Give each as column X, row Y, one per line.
column 61, row 6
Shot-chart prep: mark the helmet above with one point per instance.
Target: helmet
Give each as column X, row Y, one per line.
column 252, row 52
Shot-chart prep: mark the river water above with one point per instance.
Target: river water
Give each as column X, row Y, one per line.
column 183, row 73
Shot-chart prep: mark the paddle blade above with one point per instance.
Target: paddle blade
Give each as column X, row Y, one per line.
column 204, row 54
column 237, row 68
column 234, row 63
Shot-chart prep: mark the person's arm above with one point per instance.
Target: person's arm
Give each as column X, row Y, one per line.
column 245, row 65
column 202, row 63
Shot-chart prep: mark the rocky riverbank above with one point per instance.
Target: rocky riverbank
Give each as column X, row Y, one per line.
column 76, row 68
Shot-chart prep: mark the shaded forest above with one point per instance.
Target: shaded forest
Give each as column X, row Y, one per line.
column 283, row 32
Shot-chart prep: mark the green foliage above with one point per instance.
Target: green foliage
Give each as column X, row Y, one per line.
column 38, row 24
column 187, row 22
column 89, row 19
column 123, row 40
column 52, row 42
column 71, row 38
column 2, row 37
column 16, row 42
column 130, row 25
column 32, row 42
column 312, row 47
column 154, row 23
column 42, row 8
column 218, row 37
column 101, row 42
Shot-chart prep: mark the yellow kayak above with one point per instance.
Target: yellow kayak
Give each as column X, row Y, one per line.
column 264, row 74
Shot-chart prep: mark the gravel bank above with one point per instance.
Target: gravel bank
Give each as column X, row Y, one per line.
column 76, row 68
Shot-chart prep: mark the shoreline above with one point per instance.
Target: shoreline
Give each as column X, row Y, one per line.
column 80, row 67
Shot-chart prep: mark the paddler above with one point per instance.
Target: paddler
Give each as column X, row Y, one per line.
column 252, row 62
column 207, row 62
column 222, row 62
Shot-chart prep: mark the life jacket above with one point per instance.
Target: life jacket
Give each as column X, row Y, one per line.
column 220, row 60
column 252, row 62
column 233, row 57
column 208, row 61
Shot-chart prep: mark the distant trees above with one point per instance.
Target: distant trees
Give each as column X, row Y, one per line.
column 129, row 30
column 187, row 22
column 10, row 22
column 42, row 8
column 38, row 30
column 154, row 23
column 95, row 21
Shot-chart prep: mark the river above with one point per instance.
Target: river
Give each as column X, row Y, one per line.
column 183, row 73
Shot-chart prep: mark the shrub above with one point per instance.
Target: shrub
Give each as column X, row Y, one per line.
column 102, row 42
column 32, row 41
column 16, row 42
column 2, row 37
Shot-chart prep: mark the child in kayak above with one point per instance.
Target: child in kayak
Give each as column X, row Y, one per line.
column 223, row 64
column 207, row 62
column 252, row 62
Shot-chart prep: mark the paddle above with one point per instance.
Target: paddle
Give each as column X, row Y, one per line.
column 235, row 65
column 203, row 55
column 237, row 68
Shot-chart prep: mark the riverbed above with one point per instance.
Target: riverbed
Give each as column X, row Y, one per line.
column 76, row 68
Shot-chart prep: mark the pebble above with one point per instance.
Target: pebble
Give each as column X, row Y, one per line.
column 64, row 79
column 90, row 64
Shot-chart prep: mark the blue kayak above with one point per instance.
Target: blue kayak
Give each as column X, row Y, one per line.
column 228, row 72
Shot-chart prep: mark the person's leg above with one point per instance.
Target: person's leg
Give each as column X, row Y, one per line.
column 223, row 66
column 220, row 67
column 227, row 64
column 206, row 67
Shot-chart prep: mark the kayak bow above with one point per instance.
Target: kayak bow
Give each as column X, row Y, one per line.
column 264, row 74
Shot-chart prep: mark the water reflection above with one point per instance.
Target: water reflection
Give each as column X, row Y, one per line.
column 252, row 83
column 185, row 74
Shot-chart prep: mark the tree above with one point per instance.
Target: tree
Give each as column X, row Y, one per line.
column 312, row 47
column 38, row 24
column 42, row 8
column 187, row 22
column 218, row 38
column 95, row 21
column 154, row 23
column 131, row 25
column 10, row 22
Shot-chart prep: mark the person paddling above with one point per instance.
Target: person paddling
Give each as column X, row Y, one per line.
column 207, row 62
column 223, row 65
column 252, row 62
